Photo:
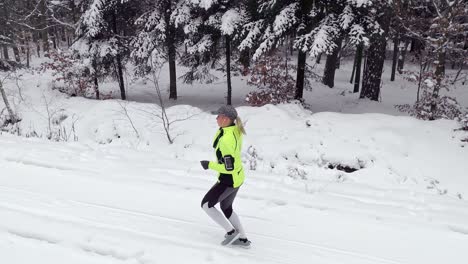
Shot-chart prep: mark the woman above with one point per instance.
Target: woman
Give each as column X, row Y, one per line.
column 227, row 145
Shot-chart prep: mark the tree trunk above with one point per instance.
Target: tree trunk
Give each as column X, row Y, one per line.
column 13, row 118
column 5, row 30
column 171, row 49
column 95, row 77
column 373, row 71
column 63, row 35
column 395, row 58
column 23, row 43
column 54, row 40
column 364, row 57
column 439, row 74
column 244, row 60
column 38, row 49
column 354, row 69
column 38, row 45
column 338, row 56
column 301, row 62
column 375, row 60
column 402, row 57
column 96, row 87
column 330, row 65
column 172, row 72
column 458, row 73
column 28, row 50
column 416, row 46
column 70, row 33
column 228, row 69
column 119, row 62
column 43, row 24
column 317, row 60
column 305, row 8
column 357, row 79
column 420, row 78
column 17, row 53
column 291, row 45
column 5, row 52
column 120, row 76
column 28, row 57
column 70, row 39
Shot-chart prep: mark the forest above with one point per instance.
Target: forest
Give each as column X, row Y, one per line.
column 272, row 41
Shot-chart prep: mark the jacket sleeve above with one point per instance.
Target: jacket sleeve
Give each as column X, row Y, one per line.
column 228, row 148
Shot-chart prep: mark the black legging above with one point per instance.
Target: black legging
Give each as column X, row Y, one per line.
column 223, row 194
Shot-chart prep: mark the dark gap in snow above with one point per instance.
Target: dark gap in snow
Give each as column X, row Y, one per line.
column 344, row 168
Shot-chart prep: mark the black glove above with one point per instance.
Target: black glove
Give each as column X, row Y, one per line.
column 204, row 164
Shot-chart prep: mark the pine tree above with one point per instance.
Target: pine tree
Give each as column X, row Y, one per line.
column 274, row 23
column 104, row 33
column 316, row 26
column 10, row 30
column 208, row 25
column 364, row 24
column 337, row 9
column 440, row 27
column 376, row 53
column 157, row 39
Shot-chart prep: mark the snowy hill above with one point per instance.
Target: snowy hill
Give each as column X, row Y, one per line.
column 107, row 122
column 122, row 194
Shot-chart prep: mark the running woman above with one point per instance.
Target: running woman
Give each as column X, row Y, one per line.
column 227, row 145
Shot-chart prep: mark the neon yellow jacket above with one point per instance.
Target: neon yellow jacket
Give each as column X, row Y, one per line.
column 227, row 145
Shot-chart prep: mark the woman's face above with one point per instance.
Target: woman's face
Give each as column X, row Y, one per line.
column 223, row 121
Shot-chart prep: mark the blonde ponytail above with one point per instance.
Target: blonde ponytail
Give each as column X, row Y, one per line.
column 240, row 126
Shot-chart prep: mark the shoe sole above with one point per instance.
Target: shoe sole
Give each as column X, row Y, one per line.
column 230, row 242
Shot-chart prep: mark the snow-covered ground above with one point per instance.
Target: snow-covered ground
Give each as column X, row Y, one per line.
column 122, row 194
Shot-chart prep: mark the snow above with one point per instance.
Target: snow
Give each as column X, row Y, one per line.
column 206, row 4
column 114, row 204
column 285, row 19
column 361, row 3
column 193, row 26
column 230, row 21
column 347, row 18
column 320, row 39
column 254, row 31
column 357, row 35
column 201, row 46
column 92, row 19
column 181, row 15
column 117, row 196
column 100, row 48
column 284, row 22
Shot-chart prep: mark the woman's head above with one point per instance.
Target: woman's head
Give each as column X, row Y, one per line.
column 227, row 115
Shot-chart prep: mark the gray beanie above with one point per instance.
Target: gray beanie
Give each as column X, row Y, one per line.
column 227, row 110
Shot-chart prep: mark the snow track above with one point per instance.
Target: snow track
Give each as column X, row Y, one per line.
column 70, row 203
column 122, row 224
